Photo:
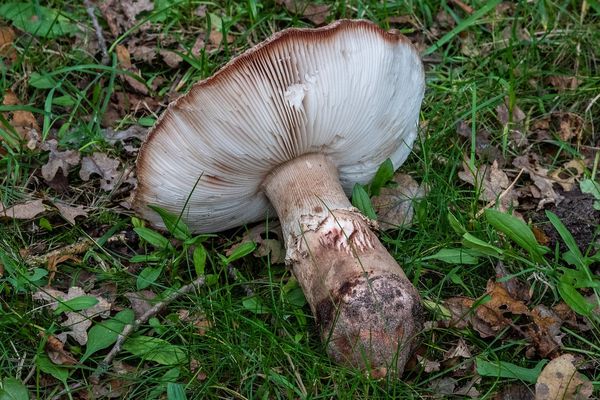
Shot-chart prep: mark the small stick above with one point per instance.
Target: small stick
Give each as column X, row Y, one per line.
column 465, row 7
column 90, row 8
column 131, row 328
column 493, row 202
column 79, row 247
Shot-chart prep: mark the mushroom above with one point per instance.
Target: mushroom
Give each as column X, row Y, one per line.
column 291, row 125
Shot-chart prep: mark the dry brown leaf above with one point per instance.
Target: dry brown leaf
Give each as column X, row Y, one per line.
column 542, row 183
column 265, row 246
column 103, row 166
column 514, row 391
column 58, row 160
column 125, row 62
column 505, row 117
column 569, row 174
column 545, row 332
column 77, row 321
column 170, row 58
column 198, row 319
column 57, row 353
column 443, row 386
column 28, row 210
column 395, row 205
column 563, row 83
column 7, row 37
column 23, row 122
column 560, row 380
column 461, row 350
column 56, row 259
column 70, row 212
column 493, row 183
column 428, row 365
column 141, row 301
column 315, row 13
column 122, row 15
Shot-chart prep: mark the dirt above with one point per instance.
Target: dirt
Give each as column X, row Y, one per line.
column 577, row 213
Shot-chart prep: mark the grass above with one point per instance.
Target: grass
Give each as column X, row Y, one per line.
column 273, row 351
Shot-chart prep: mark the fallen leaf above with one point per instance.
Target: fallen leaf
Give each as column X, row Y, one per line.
column 443, row 386
column 141, row 301
column 124, row 59
column 563, row 83
column 315, row 13
column 77, row 321
column 560, row 380
column 28, row 210
column 428, row 365
column 264, row 246
column 53, row 262
column 57, row 353
column 569, row 174
column 570, row 126
column 461, row 350
column 23, row 122
column 122, row 15
column 542, row 183
column 492, row 182
column 170, row 58
column 70, row 212
column 545, row 332
column 514, row 391
column 394, row 206
column 102, row 165
column 516, row 117
column 7, row 50
column 198, row 319
column 58, row 160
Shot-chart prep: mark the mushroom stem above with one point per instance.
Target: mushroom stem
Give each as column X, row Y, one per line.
column 367, row 310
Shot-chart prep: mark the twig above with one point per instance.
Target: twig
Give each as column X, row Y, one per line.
column 73, row 249
column 68, row 390
column 90, row 8
column 465, row 7
column 131, row 328
column 493, row 202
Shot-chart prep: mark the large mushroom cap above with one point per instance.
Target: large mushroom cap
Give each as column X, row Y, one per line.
column 349, row 90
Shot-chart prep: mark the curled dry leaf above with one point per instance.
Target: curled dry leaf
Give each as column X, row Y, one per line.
column 542, row 183
column 23, row 122
column 7, row 37
column 70, row 212
column 77, row 321
column 125, row 63
column 493, row 183
column 28, row 210
column 461, row 350
column 103, row 166
column 395, row 205
column 58, row 160
column 540, row 325
column 57, row 353
column 560, row 380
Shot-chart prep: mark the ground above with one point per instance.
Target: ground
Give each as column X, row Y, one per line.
column 501, row 240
